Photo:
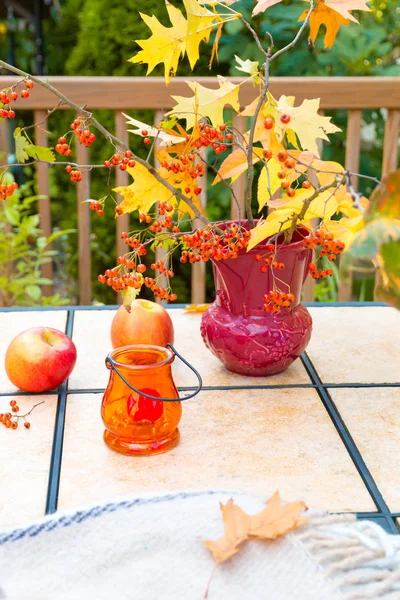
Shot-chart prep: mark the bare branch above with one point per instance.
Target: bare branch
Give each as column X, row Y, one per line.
column 298, row 35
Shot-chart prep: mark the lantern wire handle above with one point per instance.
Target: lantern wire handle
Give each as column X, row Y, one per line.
column 111, row 364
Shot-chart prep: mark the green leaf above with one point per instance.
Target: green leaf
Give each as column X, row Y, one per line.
column 57, row 234
column 21, row 144
column 24, row 149
column 12, row 215
column 169, row 123
column 41, row 153
column 34, row 292
column 41, row 242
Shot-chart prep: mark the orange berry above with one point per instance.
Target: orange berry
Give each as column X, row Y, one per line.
column 282, row 155
column 269, row 123
column 285, row 119
column 290, row 192
column 27, row 425
column 306, row 185
column 14, row 425
column 290, row 163
column 267, row 154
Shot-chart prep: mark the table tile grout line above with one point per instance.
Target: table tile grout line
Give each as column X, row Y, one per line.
column 53, row 485
column 366, row 304
column 349, row 444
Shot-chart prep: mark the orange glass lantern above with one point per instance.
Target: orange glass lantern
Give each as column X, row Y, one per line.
column 141, row 408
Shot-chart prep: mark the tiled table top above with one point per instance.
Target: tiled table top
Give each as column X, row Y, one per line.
column 326, row 431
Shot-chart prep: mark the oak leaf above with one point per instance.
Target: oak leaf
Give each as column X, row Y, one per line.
column 332, row 14
column 306, row 123
column 249, row 66
column 200, row 22
column 164, row 138
column 166, row 45
column 236, row 163
column 145, row 191
column 272, row 522
column 206, row 102
column 262, row 6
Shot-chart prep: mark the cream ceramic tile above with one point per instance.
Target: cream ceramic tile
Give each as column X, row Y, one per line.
column 256, row 441
column 25, row 460
column 373, row 418
column 356, row 344
column 91, row 335
column 11, row 324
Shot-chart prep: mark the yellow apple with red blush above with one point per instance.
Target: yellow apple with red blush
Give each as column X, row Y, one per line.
column 40, row 359
column 145, row 323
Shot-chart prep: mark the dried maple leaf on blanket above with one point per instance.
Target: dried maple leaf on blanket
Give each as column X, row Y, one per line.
column 273, row 521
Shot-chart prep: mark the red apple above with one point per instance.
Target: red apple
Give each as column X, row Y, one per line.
column 146, row 323
column 40, row 359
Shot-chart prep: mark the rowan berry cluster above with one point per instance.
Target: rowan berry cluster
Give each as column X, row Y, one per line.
column 75, row 176
column 186, row 164
column 62, row 147
column 6, row 98
column 315, row 274
column 326, row 245
column 118, row 282
column 7, row 190
column 85, row 136
column 275, row 300
column 123, row 162
column 210, row 136
column 11, row 419
column 269, row 260
column 95, row 205
column 206, row 244
column 134, row 243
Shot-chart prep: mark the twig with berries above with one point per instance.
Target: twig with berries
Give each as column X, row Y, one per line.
column 11, row 420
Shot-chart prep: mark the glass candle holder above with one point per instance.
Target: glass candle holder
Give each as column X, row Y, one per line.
column 141, row 408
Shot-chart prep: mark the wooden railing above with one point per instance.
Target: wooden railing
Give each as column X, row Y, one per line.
column 353, row 94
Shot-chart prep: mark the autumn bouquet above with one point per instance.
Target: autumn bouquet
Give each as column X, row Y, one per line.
column 300, row 201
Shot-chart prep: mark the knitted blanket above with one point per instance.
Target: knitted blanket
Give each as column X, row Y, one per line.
column 150, row 548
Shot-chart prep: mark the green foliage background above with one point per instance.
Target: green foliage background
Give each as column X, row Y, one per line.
column 96, row 37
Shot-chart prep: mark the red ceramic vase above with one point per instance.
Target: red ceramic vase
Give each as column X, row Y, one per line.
column 236, row 329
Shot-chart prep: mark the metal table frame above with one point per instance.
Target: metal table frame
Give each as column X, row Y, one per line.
column 382, row 516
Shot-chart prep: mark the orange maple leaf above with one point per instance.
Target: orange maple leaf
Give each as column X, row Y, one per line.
column 332, row 14
column 273, row 521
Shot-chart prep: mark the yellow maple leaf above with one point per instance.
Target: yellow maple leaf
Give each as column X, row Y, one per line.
column 332, row 14
column 200, row 24
column 306, row 123
column 166, row 44
column 206, row 102
column 273, row 521
column 145, row 191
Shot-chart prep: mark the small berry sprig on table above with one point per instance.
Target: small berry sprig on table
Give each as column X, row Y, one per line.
column 11, row 420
